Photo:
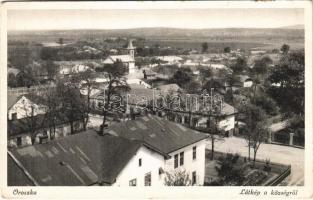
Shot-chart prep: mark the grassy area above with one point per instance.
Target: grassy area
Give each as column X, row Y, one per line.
column 253, row 176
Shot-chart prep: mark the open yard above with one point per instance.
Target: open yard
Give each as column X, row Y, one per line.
column 259, row 175
column 275, row 153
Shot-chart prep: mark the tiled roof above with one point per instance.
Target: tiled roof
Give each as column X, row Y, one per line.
column 13, row 71
column 123, row 58
column 163, row 135
column 243, row 78
column 13, row 99
column 77, row 160
column 22, row 126
column 168, row 87
column 16, row 176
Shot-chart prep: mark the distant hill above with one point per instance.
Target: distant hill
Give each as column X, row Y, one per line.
column 176, row 32
column 275, row 36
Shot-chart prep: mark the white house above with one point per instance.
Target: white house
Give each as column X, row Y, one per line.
column 127, row 59
column 182, row 149
column 139, row 82
column 170, row 59
column 226, row 122
column 25, row 105
column 244, row 81
column 79, row 68
column 132, row 153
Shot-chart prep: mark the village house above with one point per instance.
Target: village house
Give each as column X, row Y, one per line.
column 25, row 105
column 169, row 87
column 40, row 128
column 144, row 156
column 148, row 74
column 128, row 59
column 137, row 82
column 170, row 59
column 244, row 81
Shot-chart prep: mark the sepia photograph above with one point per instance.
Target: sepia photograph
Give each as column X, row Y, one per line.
column 157, row 94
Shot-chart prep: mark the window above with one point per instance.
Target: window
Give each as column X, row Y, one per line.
column 194, row 177
column 181, row 160
column 176, row 161
column 148, row 179
column 133, row 182
column 194, row 153
column 139, row 162
column 14, row 116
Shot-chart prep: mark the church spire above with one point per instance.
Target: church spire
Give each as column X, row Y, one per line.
column 131, row 49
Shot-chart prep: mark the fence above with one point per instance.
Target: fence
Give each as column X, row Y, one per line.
column 280, row 177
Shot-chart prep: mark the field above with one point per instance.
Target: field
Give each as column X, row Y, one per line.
column 181, row 38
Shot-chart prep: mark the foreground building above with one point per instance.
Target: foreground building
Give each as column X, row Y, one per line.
column 133, row 153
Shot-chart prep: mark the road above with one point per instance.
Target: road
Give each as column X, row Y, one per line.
column 276, row 153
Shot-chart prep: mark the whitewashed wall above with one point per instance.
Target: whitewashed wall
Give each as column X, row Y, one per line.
column 23, row 109
column 228, row 123
column 151, row 162
column 247, row 84
column 190, row 165
column 131, row 67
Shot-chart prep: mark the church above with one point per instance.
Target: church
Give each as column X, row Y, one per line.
column 127, row 59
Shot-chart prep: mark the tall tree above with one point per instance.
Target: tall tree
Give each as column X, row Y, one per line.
column 182, row 76
column 72, row 102
column 204, row 74
column 205, row 47
column 54, row 108
column 50, row 68
column 115, row 85
column 287, row 83
column 227, row 50
column 255, row 126
column 239, row 65
column 260, row 68
column 85, row 82
column 285, row 48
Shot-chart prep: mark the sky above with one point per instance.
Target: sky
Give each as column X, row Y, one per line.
column 136, row 18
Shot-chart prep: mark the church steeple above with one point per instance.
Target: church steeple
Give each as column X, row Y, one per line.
column 131, row 49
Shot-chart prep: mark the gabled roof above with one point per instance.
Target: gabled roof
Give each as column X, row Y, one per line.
column 244, row 78
column 76, row 160
column 14, row 98
column 163, row 135
column 36, row 99
column 114, row 58
column 22, row 126
column 13, row 71
column 169, row 87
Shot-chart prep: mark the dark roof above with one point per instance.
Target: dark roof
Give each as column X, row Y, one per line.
column 16, row 176
column 21, row 126
column 163, row 135
column 14, row 98
column 36, row 99
column 243, row 78
column 80, row 159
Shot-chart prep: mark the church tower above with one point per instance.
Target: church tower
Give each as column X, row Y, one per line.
column 131, row 49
